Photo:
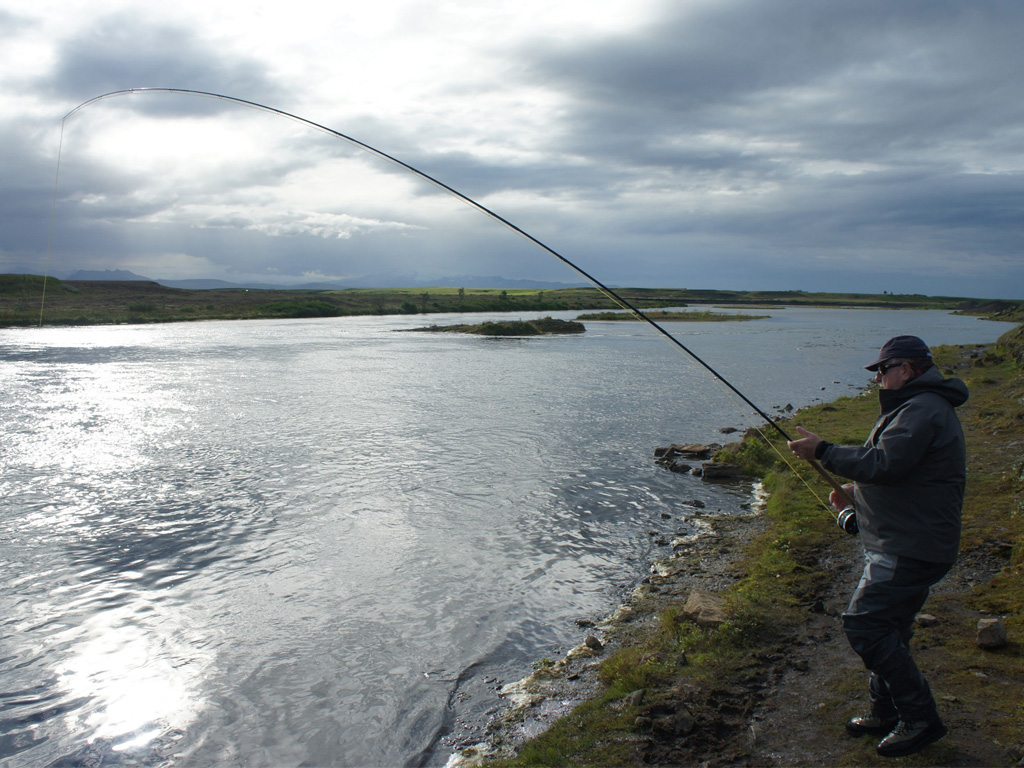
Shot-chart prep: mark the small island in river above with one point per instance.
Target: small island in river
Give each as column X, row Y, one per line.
column 540, row 327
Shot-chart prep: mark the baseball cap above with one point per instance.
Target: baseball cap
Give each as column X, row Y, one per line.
column 900, row 346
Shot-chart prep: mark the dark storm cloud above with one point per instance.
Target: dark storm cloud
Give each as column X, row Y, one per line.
column 872, row 125
column 934, row 66
column 854, row 83
column 27, row 178
column 125, row 51
column 847, row 81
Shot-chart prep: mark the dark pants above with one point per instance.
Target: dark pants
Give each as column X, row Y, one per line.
column 879, row 624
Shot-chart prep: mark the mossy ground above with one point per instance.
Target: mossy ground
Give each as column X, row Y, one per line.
column 742, row 678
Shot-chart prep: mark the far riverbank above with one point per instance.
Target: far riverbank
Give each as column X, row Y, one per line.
column 31, row 300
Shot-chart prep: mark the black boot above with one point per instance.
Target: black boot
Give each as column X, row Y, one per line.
column 908, row 738
column 874, row 725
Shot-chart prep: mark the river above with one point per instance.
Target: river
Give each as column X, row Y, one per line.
column 327, row 543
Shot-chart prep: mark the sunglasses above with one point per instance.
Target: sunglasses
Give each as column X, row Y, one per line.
column 884, row 368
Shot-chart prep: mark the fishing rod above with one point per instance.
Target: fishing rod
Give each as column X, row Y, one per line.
column 608, row 292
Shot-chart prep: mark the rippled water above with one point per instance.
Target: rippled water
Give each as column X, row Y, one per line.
column 327, row 543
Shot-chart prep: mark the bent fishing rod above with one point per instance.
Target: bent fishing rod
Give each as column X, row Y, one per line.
column 608, row 292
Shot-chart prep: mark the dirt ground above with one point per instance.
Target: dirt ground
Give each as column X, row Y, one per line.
column 792, row 712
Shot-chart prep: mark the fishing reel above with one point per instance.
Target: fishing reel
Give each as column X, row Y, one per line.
column 847, row 520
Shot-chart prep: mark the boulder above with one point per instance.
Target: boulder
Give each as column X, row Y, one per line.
column 719, row 470
column 636, row 698
column 684, row 721
column 991, row 634
column 705, row 609
column 687, row 451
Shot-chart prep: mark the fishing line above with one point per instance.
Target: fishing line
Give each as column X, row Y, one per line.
column 604, row 289
column 53, row 216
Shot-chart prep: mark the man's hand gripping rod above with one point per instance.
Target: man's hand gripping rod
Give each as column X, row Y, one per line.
column 806, row 448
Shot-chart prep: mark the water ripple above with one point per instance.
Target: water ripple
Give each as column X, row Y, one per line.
column 313, row 542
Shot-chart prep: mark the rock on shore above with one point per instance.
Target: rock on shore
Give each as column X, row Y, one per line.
column 671, row 457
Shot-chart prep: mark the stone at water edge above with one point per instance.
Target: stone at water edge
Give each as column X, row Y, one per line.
column 714, row 470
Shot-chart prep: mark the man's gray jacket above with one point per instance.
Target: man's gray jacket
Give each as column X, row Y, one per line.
column 909, row 476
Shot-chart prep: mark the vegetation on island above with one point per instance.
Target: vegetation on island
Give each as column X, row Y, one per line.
column 540, row 327
column 33, row 300
column 792, row 560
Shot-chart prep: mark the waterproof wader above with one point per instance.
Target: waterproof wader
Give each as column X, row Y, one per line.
column 879, row 623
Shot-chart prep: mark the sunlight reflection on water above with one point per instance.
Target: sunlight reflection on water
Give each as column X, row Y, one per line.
column 138, row 675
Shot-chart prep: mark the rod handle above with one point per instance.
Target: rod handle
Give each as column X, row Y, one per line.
column 836, row 485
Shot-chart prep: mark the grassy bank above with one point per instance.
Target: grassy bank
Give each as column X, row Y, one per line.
column 676, row 693
column 23, row 301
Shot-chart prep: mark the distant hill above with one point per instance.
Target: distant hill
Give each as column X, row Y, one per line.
column 121, row 275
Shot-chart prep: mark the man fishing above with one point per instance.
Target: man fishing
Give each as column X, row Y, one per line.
column 908, row 491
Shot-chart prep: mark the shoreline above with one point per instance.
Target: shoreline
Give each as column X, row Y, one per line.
column 549, row 693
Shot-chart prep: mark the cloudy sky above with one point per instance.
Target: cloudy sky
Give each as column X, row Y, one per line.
column 867, row 146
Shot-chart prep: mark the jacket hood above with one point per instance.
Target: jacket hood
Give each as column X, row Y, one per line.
column 953, row 390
